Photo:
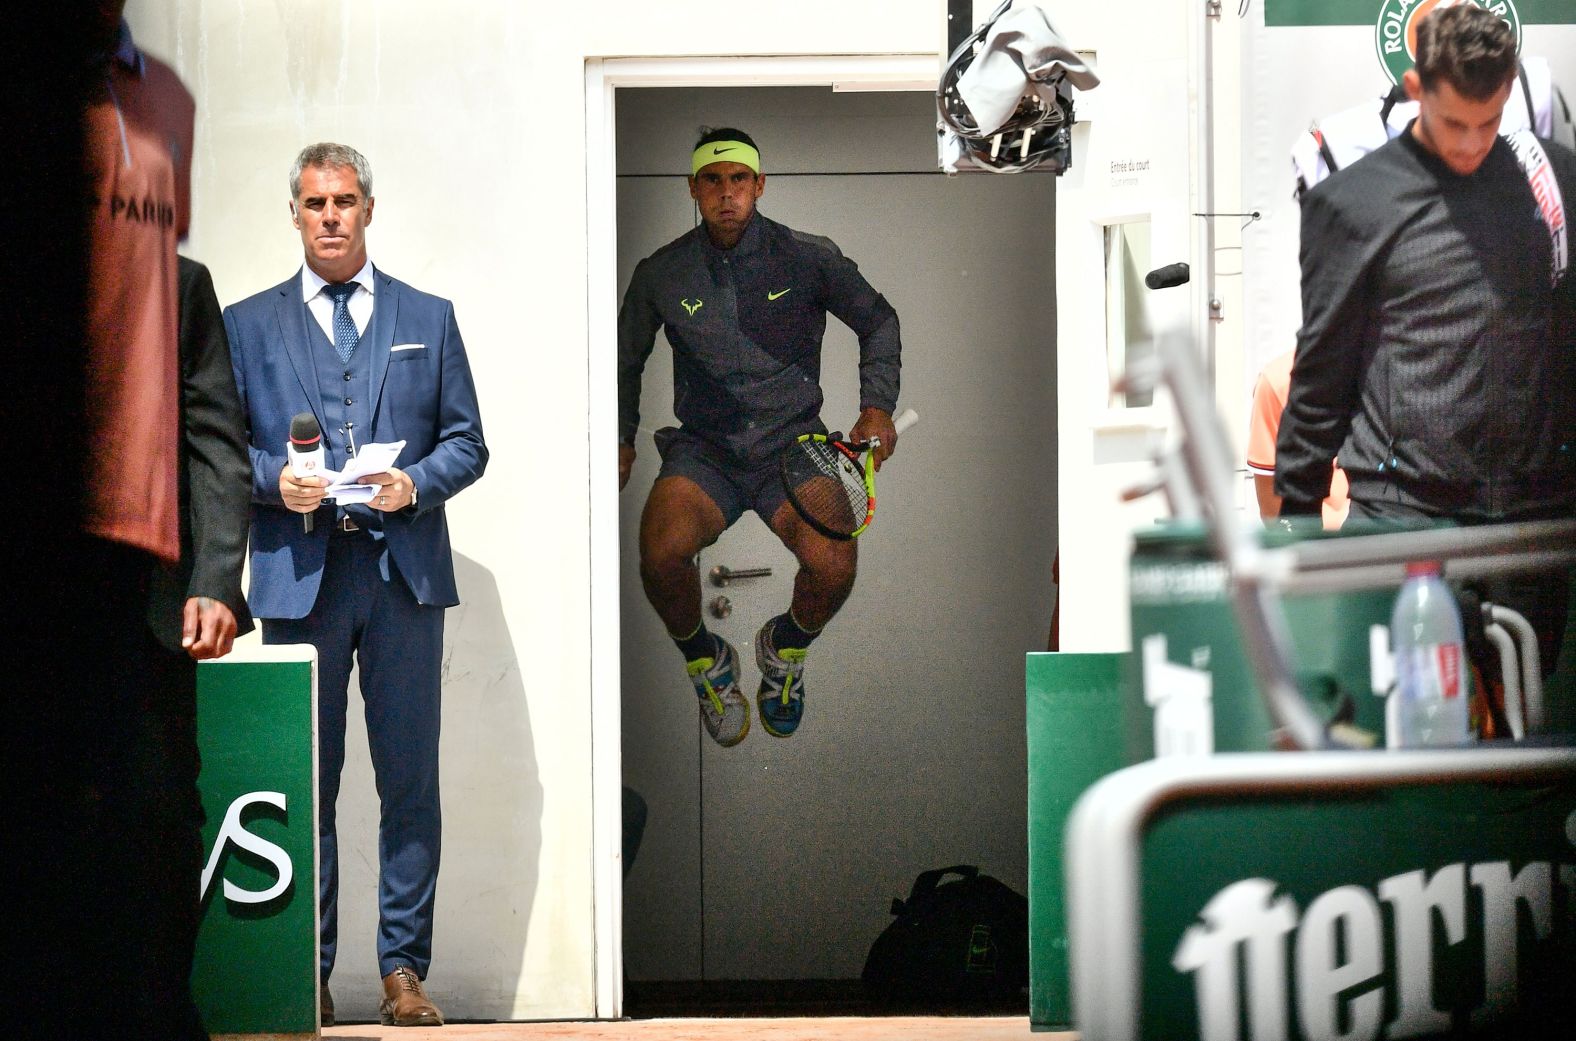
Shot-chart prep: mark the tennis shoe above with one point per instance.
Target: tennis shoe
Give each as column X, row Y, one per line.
column 781, row 696
column 722, row 705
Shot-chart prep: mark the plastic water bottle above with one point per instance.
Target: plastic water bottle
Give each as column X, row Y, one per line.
column 1432, row 678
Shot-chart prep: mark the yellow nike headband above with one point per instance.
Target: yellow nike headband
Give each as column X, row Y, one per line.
column 725, row 152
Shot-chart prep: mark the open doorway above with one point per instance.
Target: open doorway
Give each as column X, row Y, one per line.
column 764, row 872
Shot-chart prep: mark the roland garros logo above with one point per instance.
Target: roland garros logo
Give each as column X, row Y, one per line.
column 1395, row 32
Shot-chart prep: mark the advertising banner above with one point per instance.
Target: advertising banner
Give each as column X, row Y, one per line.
column 256, row 965
column 1452, row 912
column 1074, row 706
column 1372, row 12
column 1189, row 686
column 1295, row 897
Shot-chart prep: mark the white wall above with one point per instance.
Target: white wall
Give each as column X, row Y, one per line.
column 472, row 114
column 1136, row 155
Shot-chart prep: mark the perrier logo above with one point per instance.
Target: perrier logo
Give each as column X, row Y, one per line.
column 1395, row 33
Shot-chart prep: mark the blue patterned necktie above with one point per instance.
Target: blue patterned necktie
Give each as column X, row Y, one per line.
column 345, row 335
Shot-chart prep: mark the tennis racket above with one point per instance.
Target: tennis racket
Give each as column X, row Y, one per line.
column 831, row 487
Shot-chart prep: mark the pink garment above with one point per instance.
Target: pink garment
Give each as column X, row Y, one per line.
column 139, row 146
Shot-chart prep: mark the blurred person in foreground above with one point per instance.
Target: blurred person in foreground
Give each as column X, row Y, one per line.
column 152, row 566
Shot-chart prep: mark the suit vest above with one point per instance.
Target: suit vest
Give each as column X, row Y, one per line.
column 345, row 389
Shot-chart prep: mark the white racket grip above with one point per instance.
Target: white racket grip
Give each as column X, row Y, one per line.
column 905, row 419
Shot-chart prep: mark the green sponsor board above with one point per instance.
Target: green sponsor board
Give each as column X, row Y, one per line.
column 1189, row 685
column 1412, row 911
column 256, row 964
column 1074, row 703
column 1368, row 12
column 1293, row 897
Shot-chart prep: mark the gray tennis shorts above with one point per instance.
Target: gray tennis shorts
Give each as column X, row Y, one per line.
column 732, row 484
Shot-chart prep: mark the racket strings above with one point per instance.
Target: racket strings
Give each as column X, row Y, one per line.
column 828, row 487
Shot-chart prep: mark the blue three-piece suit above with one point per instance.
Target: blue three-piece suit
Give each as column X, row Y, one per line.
column 376, row 592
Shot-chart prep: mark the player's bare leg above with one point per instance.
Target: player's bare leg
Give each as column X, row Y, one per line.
column 678, row 522
column 826, row 569
column 822, row 584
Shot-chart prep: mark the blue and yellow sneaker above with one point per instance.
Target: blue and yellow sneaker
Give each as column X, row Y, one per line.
column 781, row 697
column 722, row 705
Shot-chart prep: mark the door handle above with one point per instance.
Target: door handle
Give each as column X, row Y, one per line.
column 721, row 575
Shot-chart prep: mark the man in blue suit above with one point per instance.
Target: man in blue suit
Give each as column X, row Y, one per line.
column 375, row 361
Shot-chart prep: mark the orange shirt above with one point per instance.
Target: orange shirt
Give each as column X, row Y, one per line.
column 1269, row 401
column 139, row 146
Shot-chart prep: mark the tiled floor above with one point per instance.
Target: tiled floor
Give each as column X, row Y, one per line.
column 926, row 1028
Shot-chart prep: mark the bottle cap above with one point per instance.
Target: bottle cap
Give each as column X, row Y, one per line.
column 1423, row 567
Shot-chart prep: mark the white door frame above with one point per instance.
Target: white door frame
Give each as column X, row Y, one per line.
column 602, row 77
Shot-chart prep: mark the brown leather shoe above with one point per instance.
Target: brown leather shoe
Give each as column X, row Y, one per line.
column 325, row 1005
column 405, row 1004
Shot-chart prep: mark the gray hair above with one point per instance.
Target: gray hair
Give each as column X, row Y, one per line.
column 326, row 153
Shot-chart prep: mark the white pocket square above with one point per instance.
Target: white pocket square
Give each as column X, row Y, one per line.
column 407, row 347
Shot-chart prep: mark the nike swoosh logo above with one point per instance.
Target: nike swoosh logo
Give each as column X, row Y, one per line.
column 780, row 292
column 719, row 151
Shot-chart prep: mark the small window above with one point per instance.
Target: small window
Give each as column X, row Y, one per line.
column 1128, row 336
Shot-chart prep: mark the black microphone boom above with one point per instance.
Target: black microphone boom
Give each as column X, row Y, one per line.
column 1168, row 276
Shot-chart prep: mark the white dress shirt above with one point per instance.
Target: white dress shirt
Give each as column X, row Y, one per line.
column 322, row 305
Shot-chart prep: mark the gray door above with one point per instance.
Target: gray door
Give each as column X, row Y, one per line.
column 777, row 859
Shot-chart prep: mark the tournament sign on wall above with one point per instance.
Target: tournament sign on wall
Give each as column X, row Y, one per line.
column 1395, row 32
column 1374, row 12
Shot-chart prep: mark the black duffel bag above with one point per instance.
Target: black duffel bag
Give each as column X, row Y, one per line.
column 961, row 944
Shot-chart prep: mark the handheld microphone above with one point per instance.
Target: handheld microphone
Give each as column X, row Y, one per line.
column 305, row 450
column 1168, row 276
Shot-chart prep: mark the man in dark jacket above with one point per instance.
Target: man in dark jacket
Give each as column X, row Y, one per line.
column 195, row 609
column 1435, row 357
column 196, row 606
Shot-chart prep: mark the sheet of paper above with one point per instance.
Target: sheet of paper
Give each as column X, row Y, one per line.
column 345, row 486
column 370, row 459
column 345, row 494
